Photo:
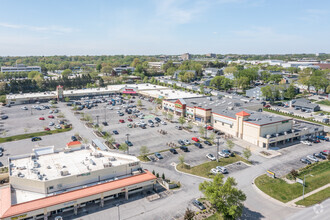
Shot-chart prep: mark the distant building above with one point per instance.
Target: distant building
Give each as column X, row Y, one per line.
column 323, row 66
column 20, row 68
column 186, row 56
column 156, row 65
column 304, row 104
column 254, row 93
column 319, row 54
column 212, row 55
column 122, row 68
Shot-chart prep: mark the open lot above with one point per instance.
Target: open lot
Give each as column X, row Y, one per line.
column 26, row 121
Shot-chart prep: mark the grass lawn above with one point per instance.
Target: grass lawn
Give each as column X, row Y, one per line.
column 315, row 198
column 215, row 216
column 280, row 190
column 204, row 168
column 144, row 159
column 30, row 135
column 324, row 102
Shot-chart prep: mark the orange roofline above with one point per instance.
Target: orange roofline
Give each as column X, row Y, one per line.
column 67, row 196
column 242, row 113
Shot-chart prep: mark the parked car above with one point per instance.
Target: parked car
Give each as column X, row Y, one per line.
column 116, row 144
column 222, row 154
column 207, row 143
column 306, row 161
column 306, row 143
column 214, row 171
column 130, row 119
column 325, row 152
column 58, row 127
column 50, row 116
column 173, row 151
column 163, row 122
column 221, row 169
column 3, row 117
column 47, row 129
column 36, row 139
column 115, row 132
column 186, row 141
column 229, row 152
column 51, row 123
column 157, row 119
column 41, row 118
column 158, row 155
column 322, row 138
column 105, row 123
column 210, row 157
column 199, row 145
column 209, row 128
column 319, row 155
column 195, row 139
column 198, row 204
column 24, row 108
column 129, row 143
column 121, row 120
column 74, row 138
column 312, row 158
column 181, row 142
column 184, row 148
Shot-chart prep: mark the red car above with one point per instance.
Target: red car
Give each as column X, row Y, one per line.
column 209, row 128
column 41, row 118
column 267, row 106
column 121, row 121
column 47, row 129
column 195, row 139
column 129, row 119
column 50, row 116
column 116, row 144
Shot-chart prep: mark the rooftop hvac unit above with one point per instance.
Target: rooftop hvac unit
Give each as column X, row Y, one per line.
column 64, row 173
column 91, row 162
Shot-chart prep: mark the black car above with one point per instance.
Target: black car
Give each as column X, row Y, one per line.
column 105, row 123
column 157, row 119
column 198, row 204
column 207, row 143
column 229, row 152
column 73, row 138
column 173, row 151
column 184, row 148
column 306, row 161
column 150, row 121
column 1, row 149
column 181, row 142
column 115, row 132
column 129, row 143
column 319, row 155
column 36, row 139
column 199, row 145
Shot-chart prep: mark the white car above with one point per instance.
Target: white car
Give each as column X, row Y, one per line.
column 214, row 171
column 51, row 123
column 186, row 141
column 109, row 107
column 210, row 157
column 312, row 158
column 222, row 170
column 151, row 125
column 58, row 127
column 163, row 122
column 51, row 112
column 306, row 143
column 24, row 108
column 222, row 154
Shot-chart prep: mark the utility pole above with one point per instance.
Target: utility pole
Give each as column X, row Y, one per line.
column 218, row 143
column 105, row 113
column 97, row 119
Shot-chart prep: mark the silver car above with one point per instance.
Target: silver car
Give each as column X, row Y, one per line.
column 312, row 158
column 222, row 170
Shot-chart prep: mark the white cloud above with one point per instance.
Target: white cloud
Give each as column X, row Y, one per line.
column 314, row 16
column 47, row 29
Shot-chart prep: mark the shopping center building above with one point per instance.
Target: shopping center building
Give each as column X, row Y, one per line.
column 241, row 118
column 49, row 182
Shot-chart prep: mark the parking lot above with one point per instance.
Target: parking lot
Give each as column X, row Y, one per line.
column 21, row 121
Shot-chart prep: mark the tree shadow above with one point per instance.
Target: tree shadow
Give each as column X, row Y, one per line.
column 249, row 214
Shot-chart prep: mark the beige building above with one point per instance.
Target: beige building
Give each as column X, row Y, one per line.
column 49, row 182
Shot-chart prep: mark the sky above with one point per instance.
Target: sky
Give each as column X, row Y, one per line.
column 151, row 27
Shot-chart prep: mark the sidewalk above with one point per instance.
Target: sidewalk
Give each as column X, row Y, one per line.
column 255, row 149
column 293, row 202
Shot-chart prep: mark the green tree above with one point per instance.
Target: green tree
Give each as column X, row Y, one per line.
column 67, row 99
column 66, row 72
column 33, row 74
column 106, row 69
column 247, row 153
column 139, row 103
column 181, row 160
column 144, row 151
column 135, row 62
column 201, row 130
column 189, row 214
column 328, row 89
column 123, row 147
column 182, row 120
column 230, row 144
column 224, row 196
column 290, row 92
column 98, row 67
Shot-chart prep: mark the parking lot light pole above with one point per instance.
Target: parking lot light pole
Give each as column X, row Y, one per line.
column 97, row 119
column 118, row 211
column 127, row 138
column 105, row 113
column 218, row 143
column 304, row 185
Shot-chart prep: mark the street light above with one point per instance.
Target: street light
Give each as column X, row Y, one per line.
column 127, row 138
column 97, row 120
column 304, row 184
column 118, row 211
column 105, row 113
column 218, row 143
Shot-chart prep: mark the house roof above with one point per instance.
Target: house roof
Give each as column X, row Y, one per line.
column 243, row 114
column 13, row 210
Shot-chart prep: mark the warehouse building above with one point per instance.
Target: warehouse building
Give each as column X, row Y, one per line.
column 49, row 182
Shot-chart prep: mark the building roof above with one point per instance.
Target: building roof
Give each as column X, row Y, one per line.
column 13, row 210
column 304, row 103
column 243, row 114
column 73, row 143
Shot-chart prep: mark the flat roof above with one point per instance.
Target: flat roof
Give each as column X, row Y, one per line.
column 171, row 94
column 13, row 210
column 54, row 165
